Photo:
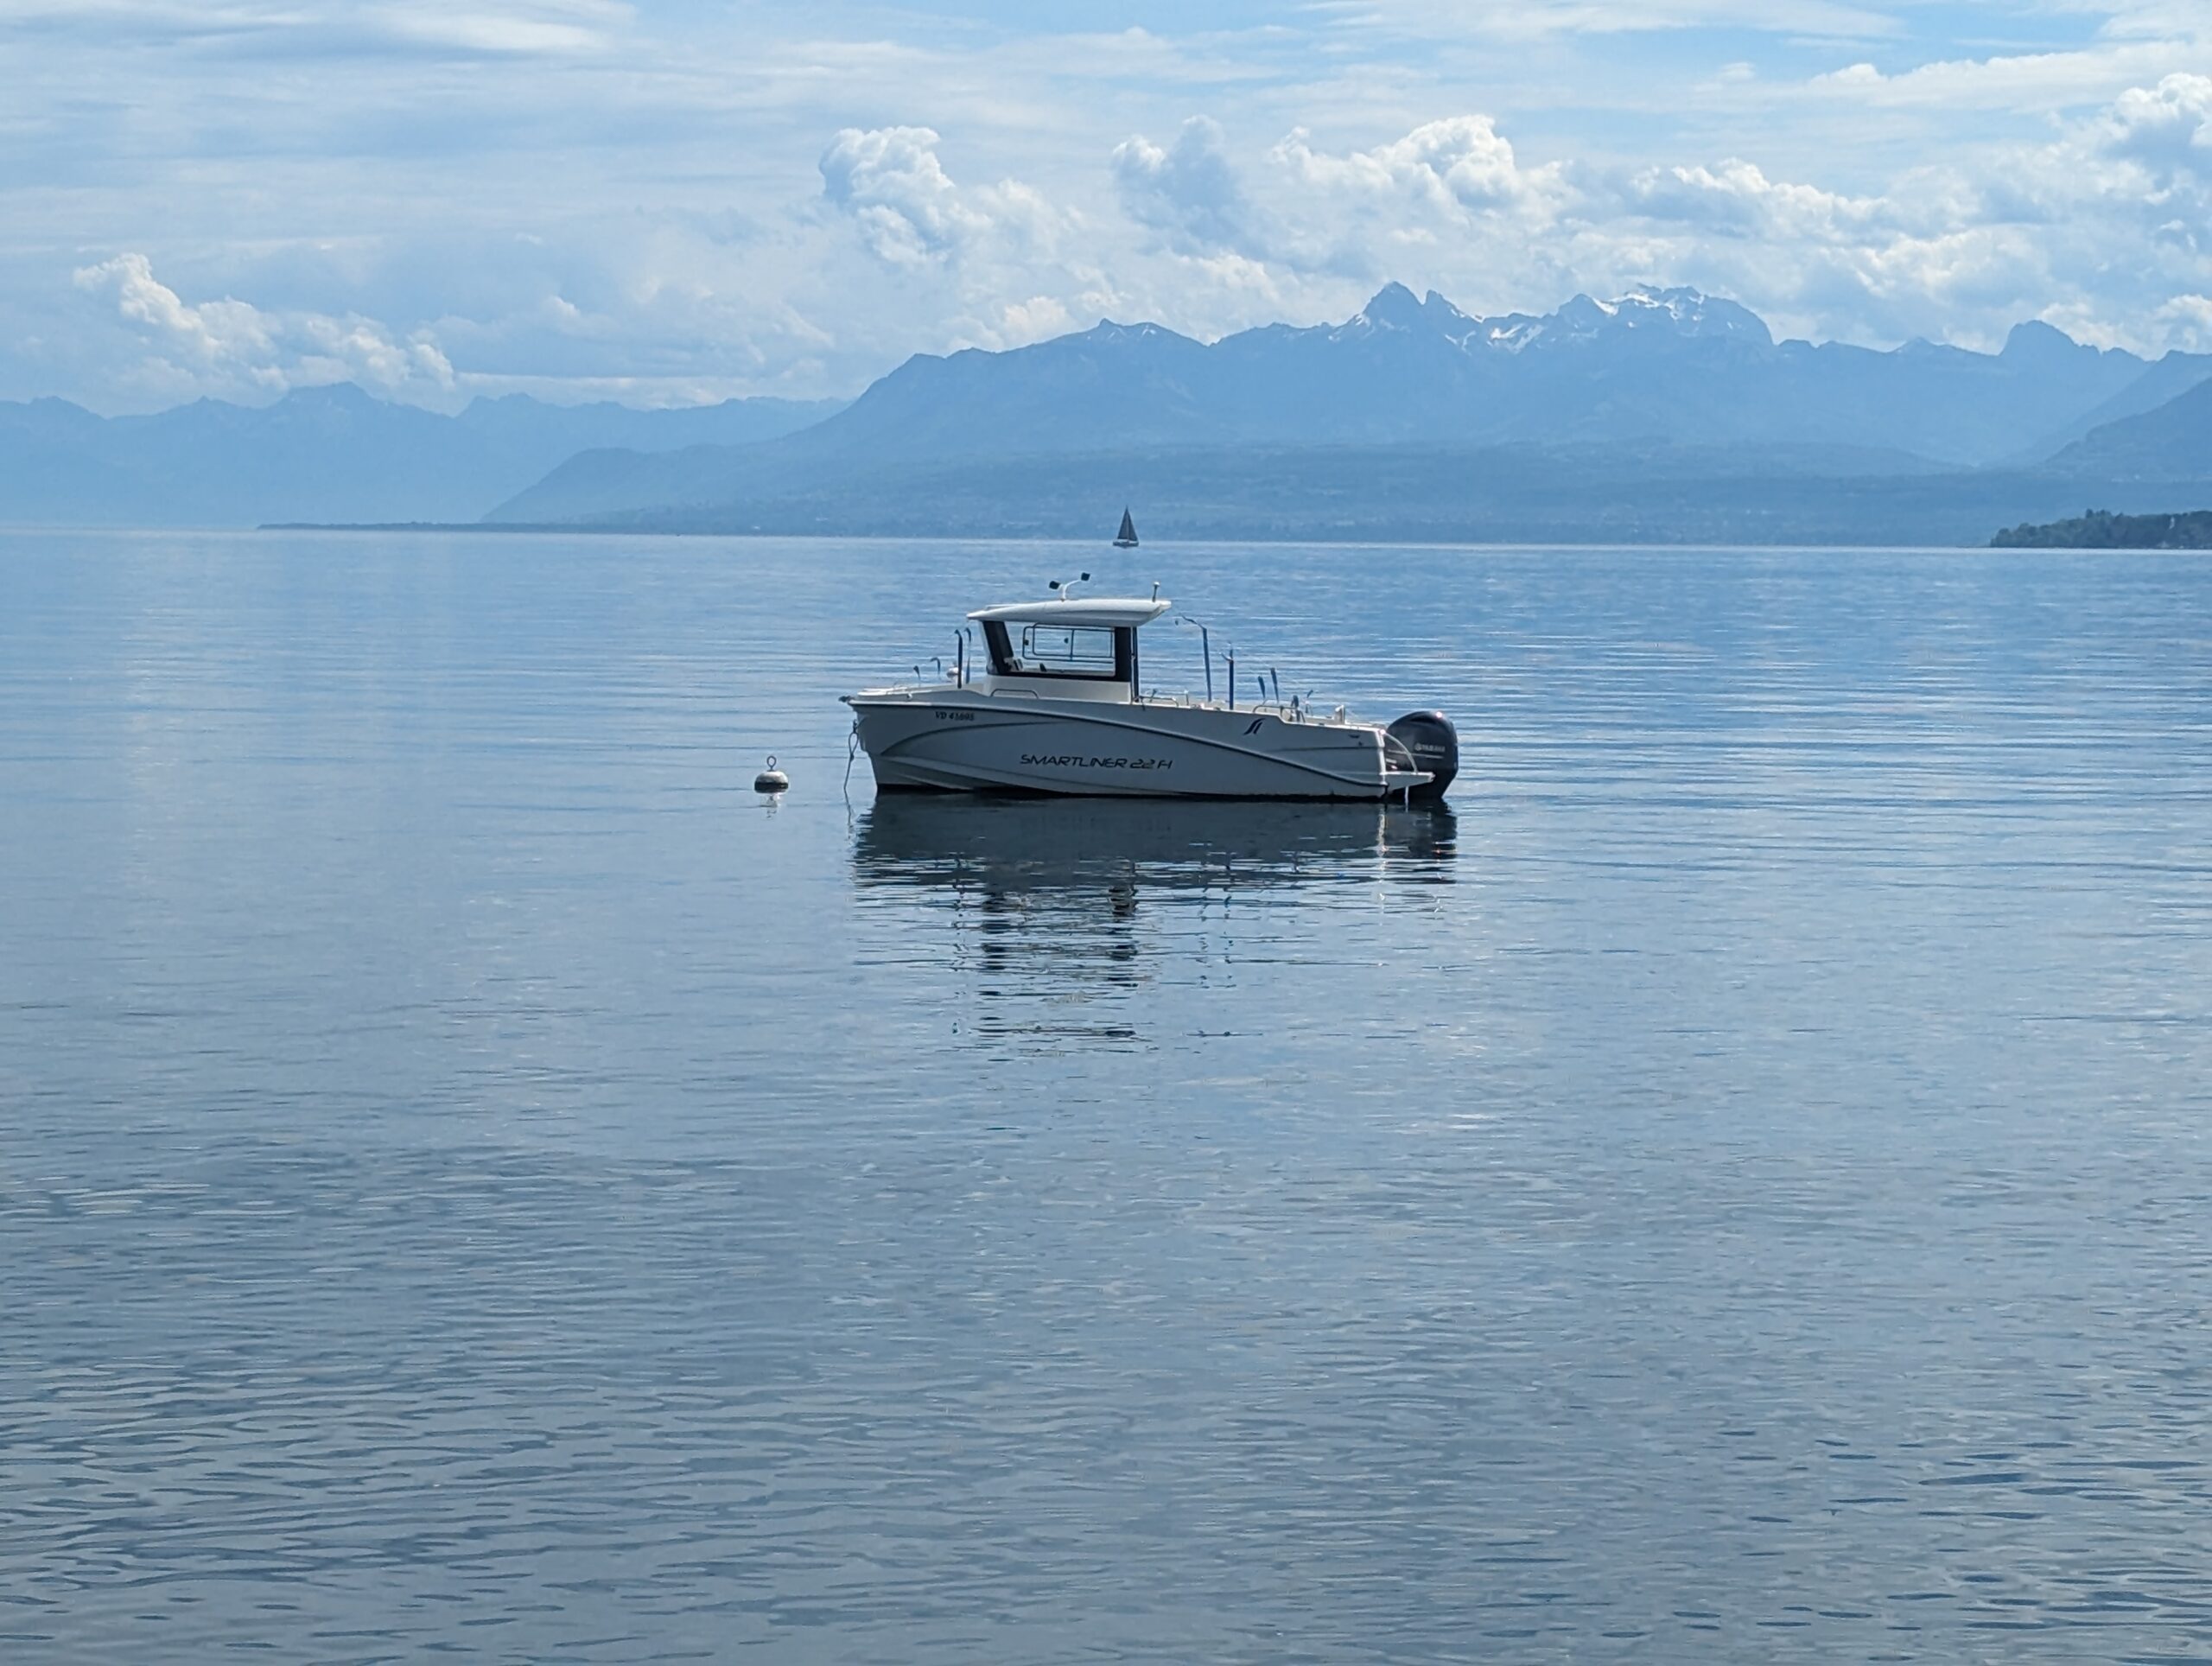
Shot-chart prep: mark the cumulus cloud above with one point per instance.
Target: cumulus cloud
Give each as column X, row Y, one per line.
column 1310, row 214
column 1187, row 192
column 909, row 210
column 1444, row 187
column 925, row 261
column 2167, row 129
column 229, row 347
column 1461, row 163
column 1735, row 197
column 890, row 181
column 1037, row 319
column 2190, row 316
column 217, row 334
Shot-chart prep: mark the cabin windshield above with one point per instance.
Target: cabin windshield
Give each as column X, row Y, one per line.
column 1099, row 652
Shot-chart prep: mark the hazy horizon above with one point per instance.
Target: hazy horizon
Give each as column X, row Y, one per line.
column 450, row 401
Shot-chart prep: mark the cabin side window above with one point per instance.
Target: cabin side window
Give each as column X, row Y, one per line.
column 1098, row 652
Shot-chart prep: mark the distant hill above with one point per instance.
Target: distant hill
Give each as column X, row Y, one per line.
column 1653, row 494
column 1654, row 366
column 2099, row 530
column 1659, row 414
column 2172, row 441
column 2163, row 380
column 328, row 453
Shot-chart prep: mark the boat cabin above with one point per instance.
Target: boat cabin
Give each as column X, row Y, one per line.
column 1079, row 649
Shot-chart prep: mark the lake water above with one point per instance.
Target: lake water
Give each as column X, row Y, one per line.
column 474, row 1178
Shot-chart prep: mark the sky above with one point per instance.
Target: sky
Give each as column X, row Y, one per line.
column 670, row 202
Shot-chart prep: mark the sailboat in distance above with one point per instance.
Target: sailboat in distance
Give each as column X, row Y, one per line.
column 1127, row 538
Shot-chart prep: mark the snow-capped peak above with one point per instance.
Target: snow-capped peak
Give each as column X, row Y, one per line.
column 1642, row 310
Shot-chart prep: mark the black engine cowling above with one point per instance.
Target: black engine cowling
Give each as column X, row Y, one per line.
column 1432, row 744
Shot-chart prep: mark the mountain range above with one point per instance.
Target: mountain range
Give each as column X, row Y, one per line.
column 1662, row 414
column 1590, row 386
column 329, row 454
column 2170, row 441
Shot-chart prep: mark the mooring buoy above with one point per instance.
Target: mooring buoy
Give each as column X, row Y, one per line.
column 771, row 780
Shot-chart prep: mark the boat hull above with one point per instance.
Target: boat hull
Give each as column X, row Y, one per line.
column 962, row 742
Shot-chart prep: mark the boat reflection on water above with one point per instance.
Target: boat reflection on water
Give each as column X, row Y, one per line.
column 1057, row 906
column 1083, row 845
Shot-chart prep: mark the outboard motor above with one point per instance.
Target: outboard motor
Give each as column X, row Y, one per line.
column 1432, row 744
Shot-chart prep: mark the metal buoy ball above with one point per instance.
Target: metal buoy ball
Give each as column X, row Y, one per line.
column 771, row 780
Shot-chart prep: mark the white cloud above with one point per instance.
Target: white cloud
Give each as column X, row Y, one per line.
column 909, row 212
column 890, row 181
column 1534, row 19
column 1187, row 192
column 1336, row 217
column 2167, row 129
column 947, row 265
column 2027, row 82
column 1735, row 199
column 1460, row 163
column 232, row 346
column 2189, row 318
column 501, row 27
column 218, row 335
column 1037, row 319
column 519, row 31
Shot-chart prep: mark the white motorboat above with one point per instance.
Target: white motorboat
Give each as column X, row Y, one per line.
column 1060, row 707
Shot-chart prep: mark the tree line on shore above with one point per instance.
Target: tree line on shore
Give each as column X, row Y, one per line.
column 2100, row 529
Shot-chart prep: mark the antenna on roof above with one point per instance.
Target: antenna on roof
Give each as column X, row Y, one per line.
column 1206, row 643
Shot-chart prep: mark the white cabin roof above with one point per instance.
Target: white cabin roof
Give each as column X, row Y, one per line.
column 1080, row 610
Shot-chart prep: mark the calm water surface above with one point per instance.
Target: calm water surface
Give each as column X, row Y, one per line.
column 474, row 1179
